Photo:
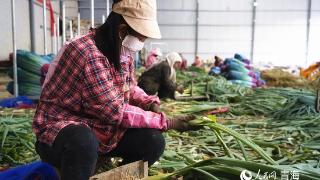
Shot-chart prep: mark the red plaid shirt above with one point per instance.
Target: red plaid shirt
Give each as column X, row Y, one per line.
column 85, row 89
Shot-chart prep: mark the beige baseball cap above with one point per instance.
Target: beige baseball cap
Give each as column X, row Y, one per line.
column 141, row 15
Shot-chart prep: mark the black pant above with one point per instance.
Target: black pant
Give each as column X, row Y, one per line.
column 75, row 150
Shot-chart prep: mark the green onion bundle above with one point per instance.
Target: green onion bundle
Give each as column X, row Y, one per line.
column 17, row 140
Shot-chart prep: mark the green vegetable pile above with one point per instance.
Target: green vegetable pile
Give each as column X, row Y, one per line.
column 267, row 130
column 222, row 152
column 17, row 140
column 275, row 126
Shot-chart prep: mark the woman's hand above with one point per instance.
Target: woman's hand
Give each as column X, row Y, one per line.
column 180, row 89
column 181, row 123
column 154, row 107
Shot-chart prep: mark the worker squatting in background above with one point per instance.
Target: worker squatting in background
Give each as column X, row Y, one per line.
column 160, row 78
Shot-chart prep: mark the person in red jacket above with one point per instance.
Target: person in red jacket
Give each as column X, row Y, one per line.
column 184, row 63
column 90, row 104
column 197, row 62
column 153, row 57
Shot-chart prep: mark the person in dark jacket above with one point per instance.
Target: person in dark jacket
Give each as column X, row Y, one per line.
column 161, row 77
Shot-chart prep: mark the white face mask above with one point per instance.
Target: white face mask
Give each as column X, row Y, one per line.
column 132, row 43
